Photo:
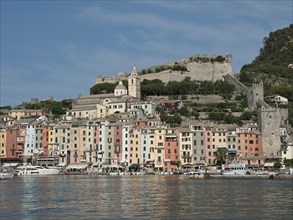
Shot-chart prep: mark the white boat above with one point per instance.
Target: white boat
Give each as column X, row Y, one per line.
column 4, row 176
column 29, row 170
column 192, row 173
column 236, row 169
column 6, row 172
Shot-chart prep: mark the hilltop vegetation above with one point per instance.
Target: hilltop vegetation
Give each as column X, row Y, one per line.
column 185, row 87
column 273, row 66
column 56, row 108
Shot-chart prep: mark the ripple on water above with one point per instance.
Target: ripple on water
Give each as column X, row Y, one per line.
column 157, row 197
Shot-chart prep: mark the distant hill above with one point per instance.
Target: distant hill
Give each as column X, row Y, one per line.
column 273, row 65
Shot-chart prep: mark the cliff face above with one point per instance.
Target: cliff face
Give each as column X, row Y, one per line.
column 199, row 67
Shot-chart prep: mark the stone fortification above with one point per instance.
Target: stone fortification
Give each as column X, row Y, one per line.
column 238, row 85
column 269, row 121
column 199, row 67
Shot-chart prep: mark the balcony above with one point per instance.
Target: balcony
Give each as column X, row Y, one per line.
column 186, row 156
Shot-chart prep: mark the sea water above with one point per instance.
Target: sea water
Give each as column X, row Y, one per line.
column 144, row 197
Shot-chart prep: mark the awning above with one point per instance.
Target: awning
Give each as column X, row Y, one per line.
column 10, row 164
column 76, row 166
column 61, row 165
column 232, row 151
column 158, row 166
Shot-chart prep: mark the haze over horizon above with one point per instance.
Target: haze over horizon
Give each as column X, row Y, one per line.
column 58, row 48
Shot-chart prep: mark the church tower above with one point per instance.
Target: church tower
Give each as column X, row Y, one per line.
column 134, row 84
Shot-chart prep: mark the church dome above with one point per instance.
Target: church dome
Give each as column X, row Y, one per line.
column 120, row 86
column 120, row 89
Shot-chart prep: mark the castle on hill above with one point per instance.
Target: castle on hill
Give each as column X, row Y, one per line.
column 198, row 67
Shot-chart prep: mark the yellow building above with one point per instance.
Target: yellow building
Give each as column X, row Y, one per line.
column 159, row 152
column 22, row 113
column 52, row 146
column 2, row 142
column 135, row 150
column 185, row 142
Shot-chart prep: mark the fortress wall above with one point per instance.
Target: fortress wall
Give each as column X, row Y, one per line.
column 165, row 76
column 238, row 85
column 197, row 70
column 109, row 79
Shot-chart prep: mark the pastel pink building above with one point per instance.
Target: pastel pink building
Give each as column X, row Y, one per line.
column 172, row 156
column 209, row 147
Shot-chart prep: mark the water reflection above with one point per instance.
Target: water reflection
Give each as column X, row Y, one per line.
column 157, row 197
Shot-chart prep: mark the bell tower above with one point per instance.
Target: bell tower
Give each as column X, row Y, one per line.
column 134, row 84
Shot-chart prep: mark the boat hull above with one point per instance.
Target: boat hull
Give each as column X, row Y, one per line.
column 4, row 176
column 36, row 170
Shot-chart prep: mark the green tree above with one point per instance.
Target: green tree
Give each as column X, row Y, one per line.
column 246, row 116
column 277, row 165
column 143, row 71
column 220, row 156
column 184, row 111
column 103, row 88
column 288, row 162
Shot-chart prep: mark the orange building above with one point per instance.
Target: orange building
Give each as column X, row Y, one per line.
column 249, row 146
column 172, row 156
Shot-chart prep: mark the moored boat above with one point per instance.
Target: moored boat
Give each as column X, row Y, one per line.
column 236, row 169
column 4, row 176
column 29, row 170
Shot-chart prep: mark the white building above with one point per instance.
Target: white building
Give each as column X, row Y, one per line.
column 125, row 144
column 30, row 140
column 278, row 99
column 148, row 108
column 288, row 152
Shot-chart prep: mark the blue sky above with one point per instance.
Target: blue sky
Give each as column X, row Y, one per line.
column 58, row 48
